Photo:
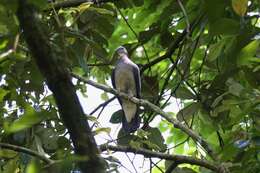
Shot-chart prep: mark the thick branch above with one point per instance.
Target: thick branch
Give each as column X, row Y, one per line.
column 180, row 159
column 156, row 109
column 59, row 81
column 26, row 151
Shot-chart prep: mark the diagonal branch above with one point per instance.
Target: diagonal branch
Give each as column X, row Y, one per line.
column 179, row 159
column 174, row 45
column 26, row 151
column 169, row 52
column 156, row 109
column 135, row 34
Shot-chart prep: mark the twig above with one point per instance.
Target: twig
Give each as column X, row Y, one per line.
column 131, row 162
column 203, row 62
column 26, row 151
column 156, row 109
column 150, row 117
column 168, row 53
column 136, row 36
column 160, row 169
column 185, row 15
column 180, row 159
column 99, row 64
column 4, row 55
column 74, row 3
column 171, row 49
column 102, row 105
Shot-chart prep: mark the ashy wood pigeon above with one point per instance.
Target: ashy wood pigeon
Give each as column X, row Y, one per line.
column 126, row 78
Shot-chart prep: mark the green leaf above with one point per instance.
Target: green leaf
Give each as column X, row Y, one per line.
column 102, row 129
column 11, row 166
column 230, row 149
column 240, row 6
column 224, row 26
column 41, row 4
column 156, row 138
column 184, row 93
column 10, row 4
column 2, row 94
column 79, row 71
column 215, row 50
column 181, row 170
column 246, row 55
column 215, row 9
column 145, row 36
column 117, row 117
column 49, row 139
column 27, row 120
column 102, row 11
column 234, row 87
column 187, row 112
column 8, row 154
column 33, row 167
column 63, row 142
column 147, row 144
column 256, row 141
column 124, row 138
column 104, row 96
column 150, row 87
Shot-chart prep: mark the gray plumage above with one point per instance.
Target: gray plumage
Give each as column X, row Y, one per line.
column 126, row 78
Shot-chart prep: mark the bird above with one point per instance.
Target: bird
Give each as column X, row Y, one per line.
column 126, row 78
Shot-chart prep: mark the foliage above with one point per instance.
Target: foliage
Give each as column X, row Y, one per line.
column 213, row 72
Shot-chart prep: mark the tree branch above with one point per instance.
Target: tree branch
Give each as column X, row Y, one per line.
column 172, row 47
column 169, row 52
column 135, row 34
column 175, row 122
column 74, row 3
column 26, row 151
column 180, row 159
column 59, row 82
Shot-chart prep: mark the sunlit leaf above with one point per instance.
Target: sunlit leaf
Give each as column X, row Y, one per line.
column 103, row 129
column 84, row 6
column 240, row 6
column 8, row 154
column 27, row 120
column 33, row 167
column 104, row 96
column 246, row 55
column 2, row 94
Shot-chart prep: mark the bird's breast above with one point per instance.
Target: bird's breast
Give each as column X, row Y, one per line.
column 125, row 81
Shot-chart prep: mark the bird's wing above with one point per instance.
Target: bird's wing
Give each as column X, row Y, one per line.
column 137, row 79
column 113, row 78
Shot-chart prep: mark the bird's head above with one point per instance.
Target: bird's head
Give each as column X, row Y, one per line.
column 120, row 51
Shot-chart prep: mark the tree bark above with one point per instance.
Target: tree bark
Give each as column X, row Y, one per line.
column 59, row 81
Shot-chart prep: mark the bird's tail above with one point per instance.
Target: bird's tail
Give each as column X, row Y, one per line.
column 133, row 125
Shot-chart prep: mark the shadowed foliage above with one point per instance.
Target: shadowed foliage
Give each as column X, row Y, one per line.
column 200, row 99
